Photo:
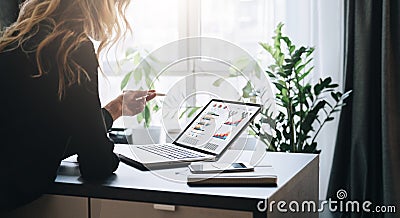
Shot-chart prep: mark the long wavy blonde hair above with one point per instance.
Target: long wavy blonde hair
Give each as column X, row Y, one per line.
column 72, row 21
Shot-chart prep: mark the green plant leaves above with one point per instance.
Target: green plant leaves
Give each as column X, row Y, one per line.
column 137, row 75
column 190, row 111
column 247, row 90
column 140, row 117
column 303, row 109
column 193, row 111
column 147, row 115
column 125, row 80
column 218, row 82
column 143, row 76
column 156, row 108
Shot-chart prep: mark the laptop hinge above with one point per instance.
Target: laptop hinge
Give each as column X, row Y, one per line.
column 195, row 149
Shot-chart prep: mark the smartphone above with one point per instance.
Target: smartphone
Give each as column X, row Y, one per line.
column 212, row 167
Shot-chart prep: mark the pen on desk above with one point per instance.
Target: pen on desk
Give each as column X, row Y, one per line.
column 157, row 94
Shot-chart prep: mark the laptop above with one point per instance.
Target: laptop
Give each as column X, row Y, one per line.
column 205, row 138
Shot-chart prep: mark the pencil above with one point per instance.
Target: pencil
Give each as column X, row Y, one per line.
column 157, row 94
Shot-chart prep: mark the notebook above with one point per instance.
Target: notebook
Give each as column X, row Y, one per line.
column 262, row 176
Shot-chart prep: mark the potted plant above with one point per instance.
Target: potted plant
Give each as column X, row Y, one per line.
column 303, row 108
column 140, row 76
column 142, row 79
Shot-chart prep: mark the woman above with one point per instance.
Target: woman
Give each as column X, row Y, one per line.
column 49, row 94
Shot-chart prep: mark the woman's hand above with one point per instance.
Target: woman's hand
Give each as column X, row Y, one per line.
column 135, row 101
column 129, row 103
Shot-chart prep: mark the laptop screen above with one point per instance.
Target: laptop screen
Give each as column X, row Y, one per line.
column 217, row 125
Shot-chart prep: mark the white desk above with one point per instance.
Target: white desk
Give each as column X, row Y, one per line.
column 134, row 193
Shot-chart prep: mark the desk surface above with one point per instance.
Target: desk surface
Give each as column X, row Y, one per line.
column 145, row 186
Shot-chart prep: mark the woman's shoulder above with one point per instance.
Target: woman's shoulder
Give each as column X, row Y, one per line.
column 76, row 45
column 85, row 56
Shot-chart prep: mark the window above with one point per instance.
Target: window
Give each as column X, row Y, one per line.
column 231, row 20
column 243, row 22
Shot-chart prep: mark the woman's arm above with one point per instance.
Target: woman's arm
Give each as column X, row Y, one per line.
column 108, row 119
column 85, row 121
column 90, row 123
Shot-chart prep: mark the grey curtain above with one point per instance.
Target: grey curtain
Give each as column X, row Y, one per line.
column 367, row 154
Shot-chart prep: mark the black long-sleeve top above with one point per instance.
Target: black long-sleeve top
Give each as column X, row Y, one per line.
column 38, row 130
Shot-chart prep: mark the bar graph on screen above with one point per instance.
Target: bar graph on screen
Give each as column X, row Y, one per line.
column 222, row 136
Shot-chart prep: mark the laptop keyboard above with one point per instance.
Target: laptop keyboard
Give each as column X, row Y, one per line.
column 170, row 151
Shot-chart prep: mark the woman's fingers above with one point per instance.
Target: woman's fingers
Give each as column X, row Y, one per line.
column 135, row 101
column 151, row 95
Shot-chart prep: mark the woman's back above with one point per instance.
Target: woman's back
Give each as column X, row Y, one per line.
column 39, row 129
column 50, row 105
